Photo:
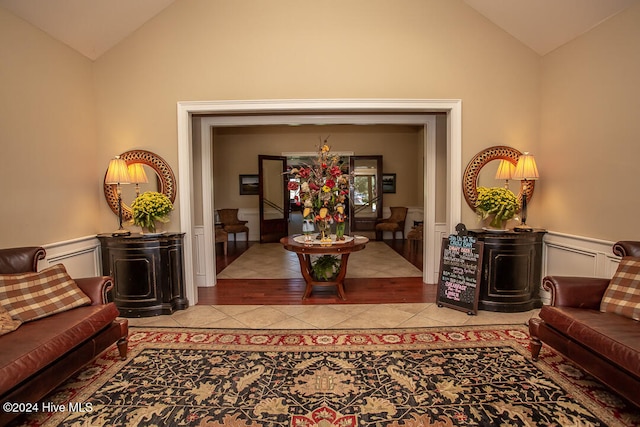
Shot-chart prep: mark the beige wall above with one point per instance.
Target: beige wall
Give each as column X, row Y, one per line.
column 63, row 117
column 217, row 50
column 236, row 152
column 49, row 176
column 590, row 139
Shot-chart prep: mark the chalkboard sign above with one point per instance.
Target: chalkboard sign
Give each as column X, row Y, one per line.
column 460, row 273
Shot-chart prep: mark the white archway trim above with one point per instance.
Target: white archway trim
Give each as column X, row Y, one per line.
column 369, row 111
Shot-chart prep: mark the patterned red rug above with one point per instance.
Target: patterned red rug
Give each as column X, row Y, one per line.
column 414, row 377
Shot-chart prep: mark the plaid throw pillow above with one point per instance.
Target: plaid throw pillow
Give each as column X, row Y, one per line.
column 623, row 294
column 7, row 324
column 30, row 296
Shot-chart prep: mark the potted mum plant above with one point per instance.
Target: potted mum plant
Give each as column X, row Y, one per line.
column 150, row 207
column 496, row 204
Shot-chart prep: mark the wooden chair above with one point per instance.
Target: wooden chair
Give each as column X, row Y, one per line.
column 394, row 223
column 231, row 223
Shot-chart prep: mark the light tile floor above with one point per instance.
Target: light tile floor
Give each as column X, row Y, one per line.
column 272, row 261
column 337, row 316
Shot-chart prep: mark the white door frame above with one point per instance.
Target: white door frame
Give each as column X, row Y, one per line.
column 347, row 111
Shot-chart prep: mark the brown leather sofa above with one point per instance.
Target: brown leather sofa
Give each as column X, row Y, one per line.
column 43, row 353
column 606, row 345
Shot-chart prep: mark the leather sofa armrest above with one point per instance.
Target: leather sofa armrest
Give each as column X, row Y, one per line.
column 627, row 248
column 579, row 292
column 20, row 260
column 96, row 288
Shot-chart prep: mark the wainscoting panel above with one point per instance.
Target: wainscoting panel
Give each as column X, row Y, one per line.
column 198, row 256
column 81, row 257
column 567, row 255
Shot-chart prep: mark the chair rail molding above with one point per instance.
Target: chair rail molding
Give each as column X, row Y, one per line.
column 318, row 111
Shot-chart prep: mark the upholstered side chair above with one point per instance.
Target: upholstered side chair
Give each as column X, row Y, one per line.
column 231, row 224
column 222, row 237
column 415, row 237
column 394, row 223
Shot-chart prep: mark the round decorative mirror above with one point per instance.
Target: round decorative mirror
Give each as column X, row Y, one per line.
column 474, row 175
column 159, row 176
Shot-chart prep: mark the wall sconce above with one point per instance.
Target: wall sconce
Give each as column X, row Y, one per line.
column 137, row 175
column 526, row 170
column 117, row 173
column 505, row 171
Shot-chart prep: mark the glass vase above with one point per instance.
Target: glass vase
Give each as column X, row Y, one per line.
column 323, row 226
column 308, row 229
column 340, row 227
column 495, row 223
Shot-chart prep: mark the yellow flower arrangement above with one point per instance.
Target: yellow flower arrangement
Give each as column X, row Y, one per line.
column 497, row 201
column 150, row 207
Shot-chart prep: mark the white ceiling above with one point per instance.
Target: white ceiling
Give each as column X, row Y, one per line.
column 94, row 26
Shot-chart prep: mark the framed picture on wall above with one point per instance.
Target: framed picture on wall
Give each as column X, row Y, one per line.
column 249, row 185
column 388, row 182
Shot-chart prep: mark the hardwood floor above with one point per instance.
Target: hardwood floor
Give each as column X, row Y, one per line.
column 290, row 291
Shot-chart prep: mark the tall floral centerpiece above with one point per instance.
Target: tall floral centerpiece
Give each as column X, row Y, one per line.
column 497, row 204
column 324, row 189
column 150, row 207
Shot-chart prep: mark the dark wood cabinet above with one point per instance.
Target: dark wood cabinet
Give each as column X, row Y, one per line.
column 511, row 270
column 147, row 273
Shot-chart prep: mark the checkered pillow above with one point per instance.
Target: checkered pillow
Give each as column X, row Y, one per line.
column 623, row 294
column 30, row 296
column 7, row 324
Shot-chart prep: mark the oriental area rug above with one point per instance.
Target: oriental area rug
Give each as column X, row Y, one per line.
column 480, row 376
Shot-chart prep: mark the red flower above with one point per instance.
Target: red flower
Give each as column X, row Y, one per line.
column 292, row 186
column 313, row 186
column 335, row 171
column 303, row 173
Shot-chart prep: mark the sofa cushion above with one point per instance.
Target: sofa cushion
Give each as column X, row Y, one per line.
column 30, row 296
column 623, row 293
column 37, row 344
column 612, row 336
column 7, row 323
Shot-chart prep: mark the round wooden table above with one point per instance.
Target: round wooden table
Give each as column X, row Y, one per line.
column 305, row 250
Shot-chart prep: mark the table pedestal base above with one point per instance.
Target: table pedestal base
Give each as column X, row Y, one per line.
column 305, row 250
column 306, row 269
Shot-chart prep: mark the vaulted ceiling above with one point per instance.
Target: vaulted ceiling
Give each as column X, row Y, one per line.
column 94, row 26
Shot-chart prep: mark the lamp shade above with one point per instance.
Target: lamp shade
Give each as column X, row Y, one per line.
column 117, row 172
column 526, row 168
column 505, row 170
column 137, row 174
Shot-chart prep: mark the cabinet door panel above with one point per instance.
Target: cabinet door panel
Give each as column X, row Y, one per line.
column 135, row 278
column 511, row 271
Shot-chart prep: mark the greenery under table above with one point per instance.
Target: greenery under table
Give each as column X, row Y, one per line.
column 319, row 275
